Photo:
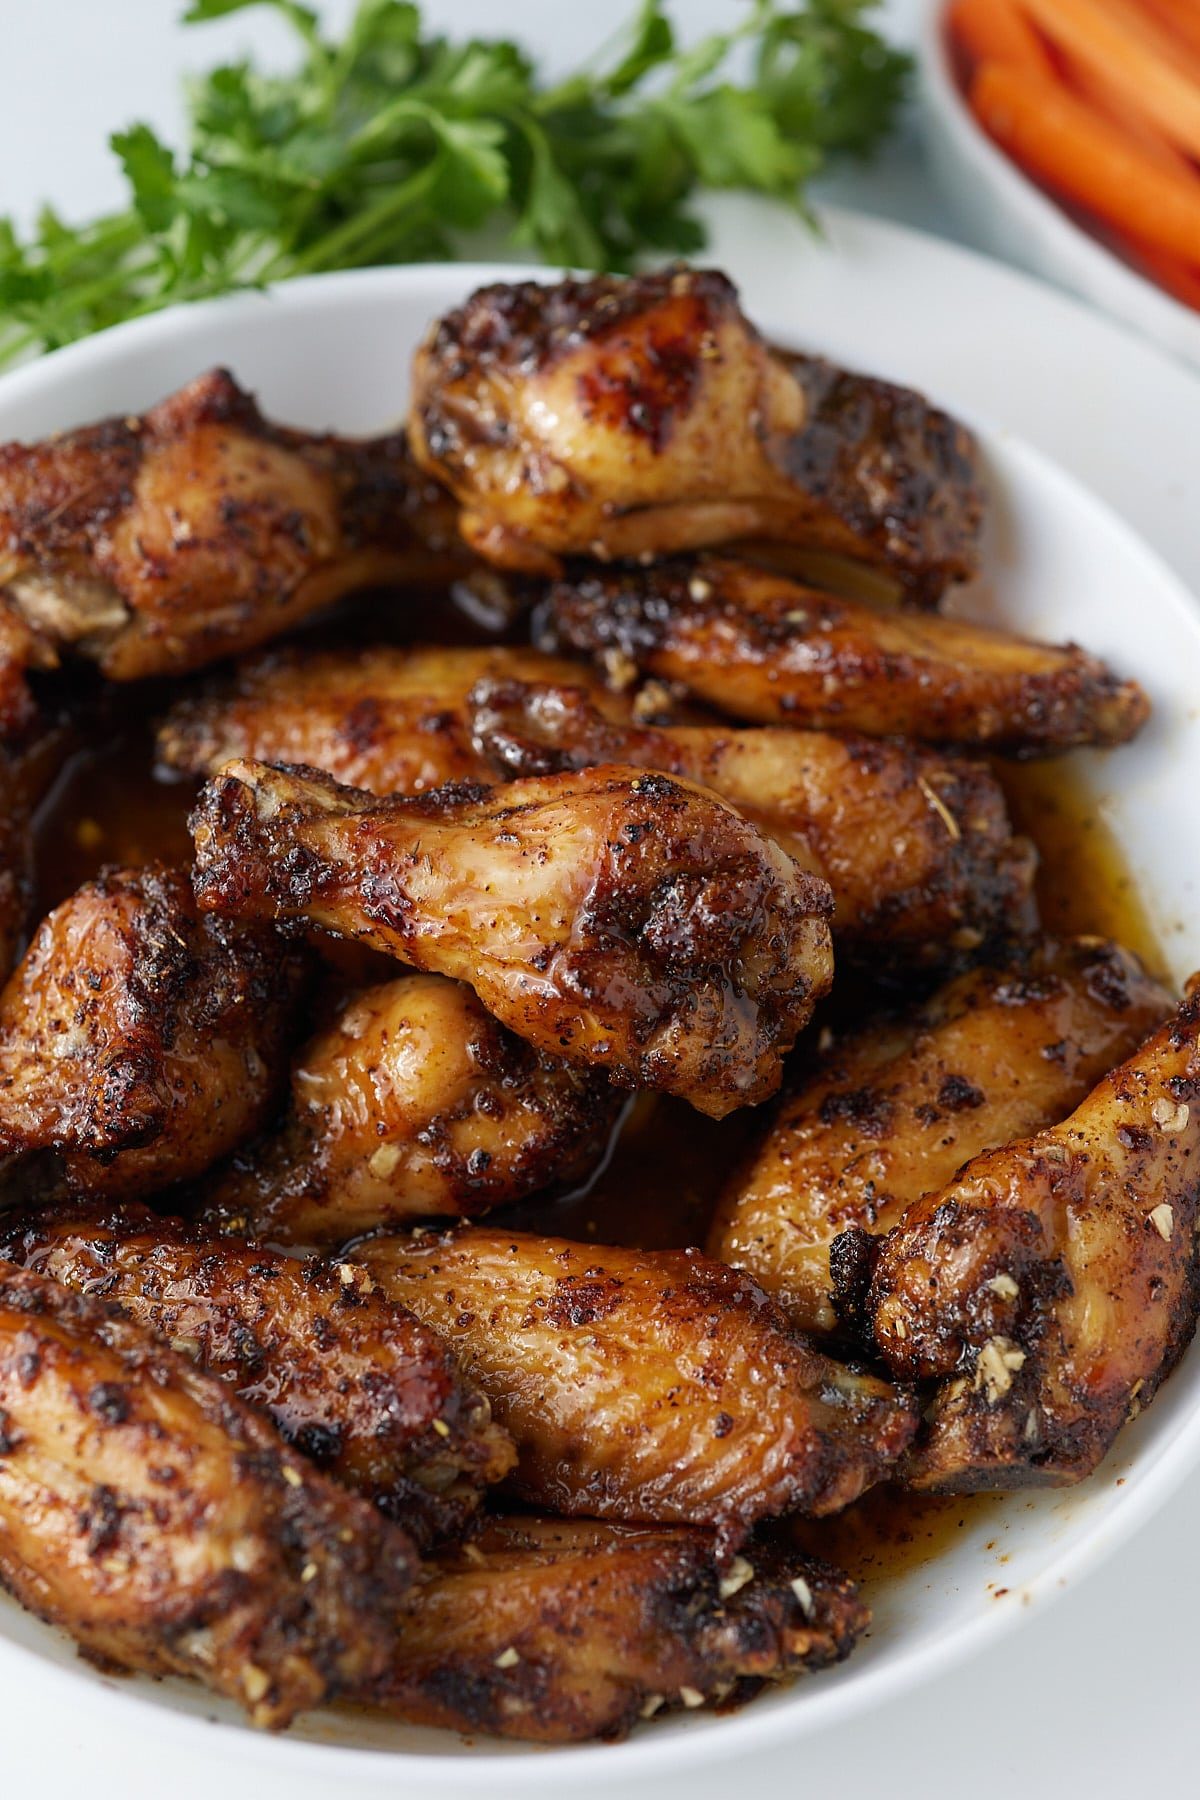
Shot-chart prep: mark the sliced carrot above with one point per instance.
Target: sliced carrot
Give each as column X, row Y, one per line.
column 1179, row 279
column 1179, row 17
column 1063, row 143
column 1099, row 92
column 995, row 31
column 1126, row 47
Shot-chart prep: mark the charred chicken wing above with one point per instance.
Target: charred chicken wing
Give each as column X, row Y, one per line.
column 414, row 1103
column 351, row 1379
column 556, row 1630
column 617, row 919
column 616, row 417
column 642, row 1385
column 156, row 544
column 759, row 646
column 139, row 1042
column 893, row 1111
column 916, row 847
column 1052, row 1285
column 168, row 1528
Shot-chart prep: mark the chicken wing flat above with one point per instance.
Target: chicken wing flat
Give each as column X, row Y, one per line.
column 557, row 1630
column 894, row 1110
column 166, row 1525
column 414, row 1104
column 1052, row 1285
column 354, row 1381
column 392, row 721
column 761, row 647
column 646, row 1386
column 617, row 919
column 159, row 543
column 621, row 417
column 139, row 1042
column 916, row 847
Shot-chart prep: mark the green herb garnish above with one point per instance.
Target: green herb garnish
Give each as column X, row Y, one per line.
column 388, row 145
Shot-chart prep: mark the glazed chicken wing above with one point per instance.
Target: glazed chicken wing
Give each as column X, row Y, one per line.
column 916, row 847
column 165, row 1524
column 620, row 920
column 351, row 1379
column 623, row 417
column 139, row 1042
column 392, row 721
column 1052, row 1285
column 556, row 1630
column 759, row 646
column 414, row 1103
column 641, row 1385
column 893, row 1111
column 156, row 544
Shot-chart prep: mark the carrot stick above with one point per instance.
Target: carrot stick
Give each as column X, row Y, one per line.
column 1104, row 98
column 1181, row 18
column 1061, row 142
column 1180, row 280
column 994, row 31
column 1122, row 44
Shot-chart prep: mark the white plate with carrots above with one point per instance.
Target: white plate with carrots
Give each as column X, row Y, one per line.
column 1068, row 132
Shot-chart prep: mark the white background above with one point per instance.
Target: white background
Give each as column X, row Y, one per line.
column 1097, row 1693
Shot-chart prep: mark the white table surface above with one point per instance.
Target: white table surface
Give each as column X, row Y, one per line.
column 1096, row 1693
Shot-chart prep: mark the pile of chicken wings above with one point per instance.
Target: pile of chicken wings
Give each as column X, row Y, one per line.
column 286, row 1405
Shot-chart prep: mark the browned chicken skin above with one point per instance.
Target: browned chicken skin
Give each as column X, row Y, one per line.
column 139, row 1042
column 650, row 1386
column 894, row 1110
column 760, row 647
column 916, row 847
column 414, row 1104
column 628, row 417
column 618, row 919
column 1052, row 1285
column 167, row 1526
column 351, row 1379
column 157, row 544
column 556, row 1630
column 392, row 721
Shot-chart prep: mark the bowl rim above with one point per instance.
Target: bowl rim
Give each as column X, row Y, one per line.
column 717, row 1738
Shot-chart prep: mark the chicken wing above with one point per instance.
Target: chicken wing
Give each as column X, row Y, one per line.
column 626, row 417
column 392, row 721
column 351, row 1379
column 165, row 1524
column 1052, row 1285
column 156, row 544
column 414, row 1104
column 139, row 1042
column 557, row 1630
column 759, row 646
column 917, row 848
column 620, row 920
column 651, row 1386
column 893, row 1111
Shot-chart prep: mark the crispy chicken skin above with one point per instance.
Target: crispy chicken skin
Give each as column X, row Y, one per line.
column 761, row 647
column 414, row 1103
column 392, row 721
column 646, row 1386
column 916, row 847
column 1051, row 1286
column 618, row 919
column 895, row 1109
column 557, row 1630
column 156, row 544
column 354, row 1381
column 623, row 417
column 168, row 1528
column 139, row 1042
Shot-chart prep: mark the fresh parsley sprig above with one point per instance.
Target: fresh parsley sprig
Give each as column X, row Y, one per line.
column 390, row 145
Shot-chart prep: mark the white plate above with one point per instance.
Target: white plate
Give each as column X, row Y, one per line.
column 334, row 351
column 1010, row 215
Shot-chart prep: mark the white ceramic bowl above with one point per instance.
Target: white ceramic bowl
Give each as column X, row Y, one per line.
column 1006, row 213
column 335, row 351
